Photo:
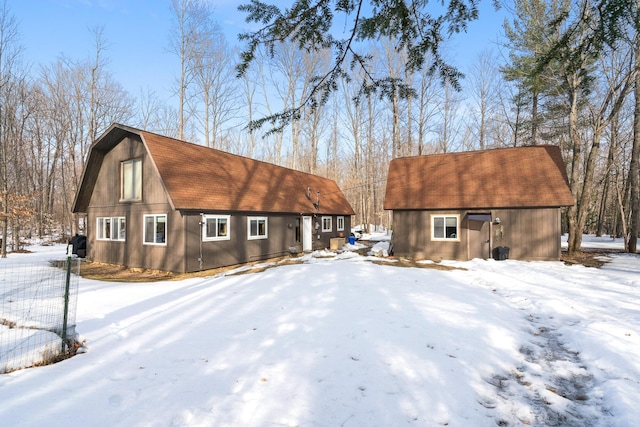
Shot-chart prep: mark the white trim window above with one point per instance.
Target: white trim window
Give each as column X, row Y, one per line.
column 257, row 227
column 155, row 229
column 327, row 224
column 215, row 227
column 131, row 180
column 340, row 223
column 445, row 227
column 111, row 228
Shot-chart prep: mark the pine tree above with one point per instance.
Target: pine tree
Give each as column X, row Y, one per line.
column 419, row 26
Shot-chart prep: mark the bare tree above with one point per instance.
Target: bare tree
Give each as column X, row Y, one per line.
column 82, row 100
column 148, row 107
column 314, row 124
column 264, row 78
column 191, row 20
column 12, row 80
column 576, row 63
column 483, row 78
column 634, row 167
column 249, row 91
column 352, row 120
column 615, row 62
column 313, row 128
column 294, row 70
column 392, row 62
column 429, row 93
column 215, row 96
column 450, row 123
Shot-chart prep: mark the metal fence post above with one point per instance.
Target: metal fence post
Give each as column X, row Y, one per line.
column 66, row 305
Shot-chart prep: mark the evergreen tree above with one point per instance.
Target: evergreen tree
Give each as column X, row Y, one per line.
column 419, row 26
column 529, row 38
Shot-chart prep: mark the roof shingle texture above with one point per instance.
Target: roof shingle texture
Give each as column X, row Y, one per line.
column 521, row 177
column 202, row 178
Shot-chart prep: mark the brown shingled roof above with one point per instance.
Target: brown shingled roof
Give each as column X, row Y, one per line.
column 502, row 178
column 198, row 177
column 201, row 178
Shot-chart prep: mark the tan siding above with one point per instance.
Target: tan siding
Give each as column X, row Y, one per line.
column 107, row 189
column 530, row 234
column 412, row 237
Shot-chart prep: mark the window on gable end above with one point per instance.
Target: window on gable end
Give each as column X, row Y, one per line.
column 131, row 180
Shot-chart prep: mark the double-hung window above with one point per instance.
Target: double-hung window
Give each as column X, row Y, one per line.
column 340, row 223
column 111, row 228
column 445, row 227
column 215, row 227
column 155, row 229
column 326, row 224
column 256, row 227
column 131, row 180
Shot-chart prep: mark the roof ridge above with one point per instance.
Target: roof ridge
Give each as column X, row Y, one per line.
column 478, row 151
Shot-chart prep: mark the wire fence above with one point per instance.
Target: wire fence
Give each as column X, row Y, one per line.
column 37, row 312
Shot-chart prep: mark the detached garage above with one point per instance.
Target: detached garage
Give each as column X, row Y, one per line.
column 501, row 203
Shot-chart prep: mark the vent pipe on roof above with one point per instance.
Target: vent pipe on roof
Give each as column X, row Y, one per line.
column 309, row 193
column 317, row 203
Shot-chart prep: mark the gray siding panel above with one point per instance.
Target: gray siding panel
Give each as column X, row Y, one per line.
column 531, row 234
column 105, row 202
column 133, row 252
column 239, row 249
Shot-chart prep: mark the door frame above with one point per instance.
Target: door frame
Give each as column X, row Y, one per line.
column 479, row 238
column 307, row 233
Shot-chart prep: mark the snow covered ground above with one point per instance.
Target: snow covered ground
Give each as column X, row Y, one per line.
column 340, row 341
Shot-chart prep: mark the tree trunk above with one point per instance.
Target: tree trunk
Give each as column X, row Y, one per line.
column 634, row 178
column 575, row 233
column 606, row 187
column 534, row 118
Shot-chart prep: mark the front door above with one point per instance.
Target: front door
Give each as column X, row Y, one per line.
column 307, row 237
column 478, row 232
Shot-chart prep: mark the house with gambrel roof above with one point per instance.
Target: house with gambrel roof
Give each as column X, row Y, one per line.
column 481, row 204
column 159, row 203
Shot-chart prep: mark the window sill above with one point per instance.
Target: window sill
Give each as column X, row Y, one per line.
column 216, row 239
